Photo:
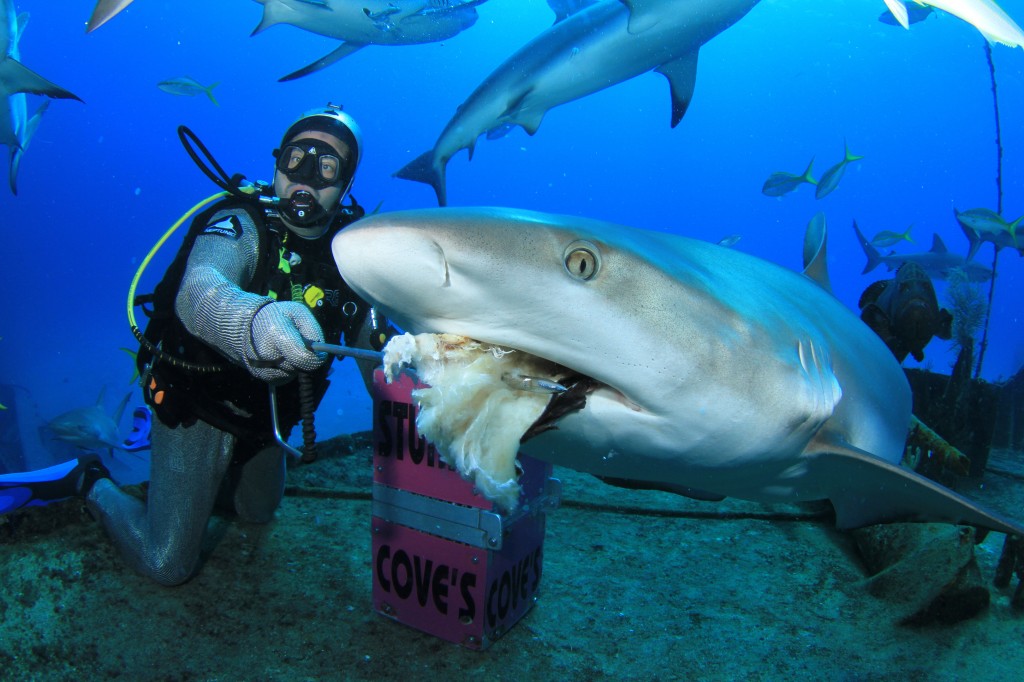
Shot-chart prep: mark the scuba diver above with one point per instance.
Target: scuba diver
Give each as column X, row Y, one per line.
column 253, row 288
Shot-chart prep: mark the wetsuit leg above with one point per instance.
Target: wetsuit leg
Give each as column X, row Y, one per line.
column 260, row 485
column 162, row 539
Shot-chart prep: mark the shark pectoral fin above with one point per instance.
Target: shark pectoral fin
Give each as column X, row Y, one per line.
column 866, row 490
column 16, row 77
column 682, row 77
column 899, row 10
column 342, row 51
column 514, row 114
column 643, row 14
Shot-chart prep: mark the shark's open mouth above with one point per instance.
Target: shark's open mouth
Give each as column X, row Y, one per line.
column 483, row 401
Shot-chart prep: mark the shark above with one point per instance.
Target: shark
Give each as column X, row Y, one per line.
column 710, row 371
column 90, row 428
column 938, row 261
column 16, row 128
column 985, row 15
column 358, row 23
column 595, row 48
column 104, row 11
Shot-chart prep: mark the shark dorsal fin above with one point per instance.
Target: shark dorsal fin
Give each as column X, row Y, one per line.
column 938, row 246
column 816, row 253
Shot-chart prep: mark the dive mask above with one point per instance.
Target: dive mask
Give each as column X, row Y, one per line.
column 312, row 162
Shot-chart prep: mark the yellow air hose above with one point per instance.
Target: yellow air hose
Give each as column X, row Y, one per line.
column 152, row 252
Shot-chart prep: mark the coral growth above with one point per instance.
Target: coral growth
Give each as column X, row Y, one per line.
column 967, row 302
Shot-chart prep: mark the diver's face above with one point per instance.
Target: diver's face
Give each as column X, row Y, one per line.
column 328, row 197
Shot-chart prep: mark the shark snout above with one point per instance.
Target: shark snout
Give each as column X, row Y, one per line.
column 415, row 271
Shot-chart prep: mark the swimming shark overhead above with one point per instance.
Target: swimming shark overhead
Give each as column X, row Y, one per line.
column 595, row 48
column 713, row 370
column 16, row 128
column 985, row 15
column 359, row 23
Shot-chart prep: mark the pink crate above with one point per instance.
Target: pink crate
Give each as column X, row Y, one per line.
column 445, row 561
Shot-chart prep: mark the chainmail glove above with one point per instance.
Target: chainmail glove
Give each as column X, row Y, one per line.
column 277, row 350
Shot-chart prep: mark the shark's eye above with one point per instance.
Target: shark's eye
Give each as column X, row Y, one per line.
column 582, row 260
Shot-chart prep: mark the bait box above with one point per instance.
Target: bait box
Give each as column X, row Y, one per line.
column 446, row 561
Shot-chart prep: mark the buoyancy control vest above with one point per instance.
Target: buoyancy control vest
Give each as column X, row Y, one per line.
column 226, row 395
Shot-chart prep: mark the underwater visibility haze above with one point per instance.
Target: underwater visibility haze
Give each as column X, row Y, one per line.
column 799, row 111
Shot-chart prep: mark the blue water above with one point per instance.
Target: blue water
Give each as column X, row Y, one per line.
column 103, row 180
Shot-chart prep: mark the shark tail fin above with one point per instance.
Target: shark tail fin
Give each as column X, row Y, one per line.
column 872, row 254
column 424, row 168
column 52, row 484
column 866, row 490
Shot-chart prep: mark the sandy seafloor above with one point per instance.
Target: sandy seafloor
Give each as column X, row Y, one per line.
column 626, row 594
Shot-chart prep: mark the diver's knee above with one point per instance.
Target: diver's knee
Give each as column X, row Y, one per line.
column 169, row 571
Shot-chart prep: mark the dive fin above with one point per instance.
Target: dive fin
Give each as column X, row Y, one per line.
column 342, row 51
column 43, row 486
column 866, row 490
column 142, row 423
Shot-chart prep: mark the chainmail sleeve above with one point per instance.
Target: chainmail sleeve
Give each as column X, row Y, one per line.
column 211, row 302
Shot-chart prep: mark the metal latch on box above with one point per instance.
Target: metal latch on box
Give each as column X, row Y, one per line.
column 468, row 525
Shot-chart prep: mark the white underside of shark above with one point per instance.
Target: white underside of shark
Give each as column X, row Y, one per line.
column 717, row 372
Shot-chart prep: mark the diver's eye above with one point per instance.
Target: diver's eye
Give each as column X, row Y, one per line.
column 582, row 260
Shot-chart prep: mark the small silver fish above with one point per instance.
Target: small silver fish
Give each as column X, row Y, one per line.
column 887, row 238
column 730, row 240
column 531, row 384
column 830, row 180
column 781, row 182
column 187, row 87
